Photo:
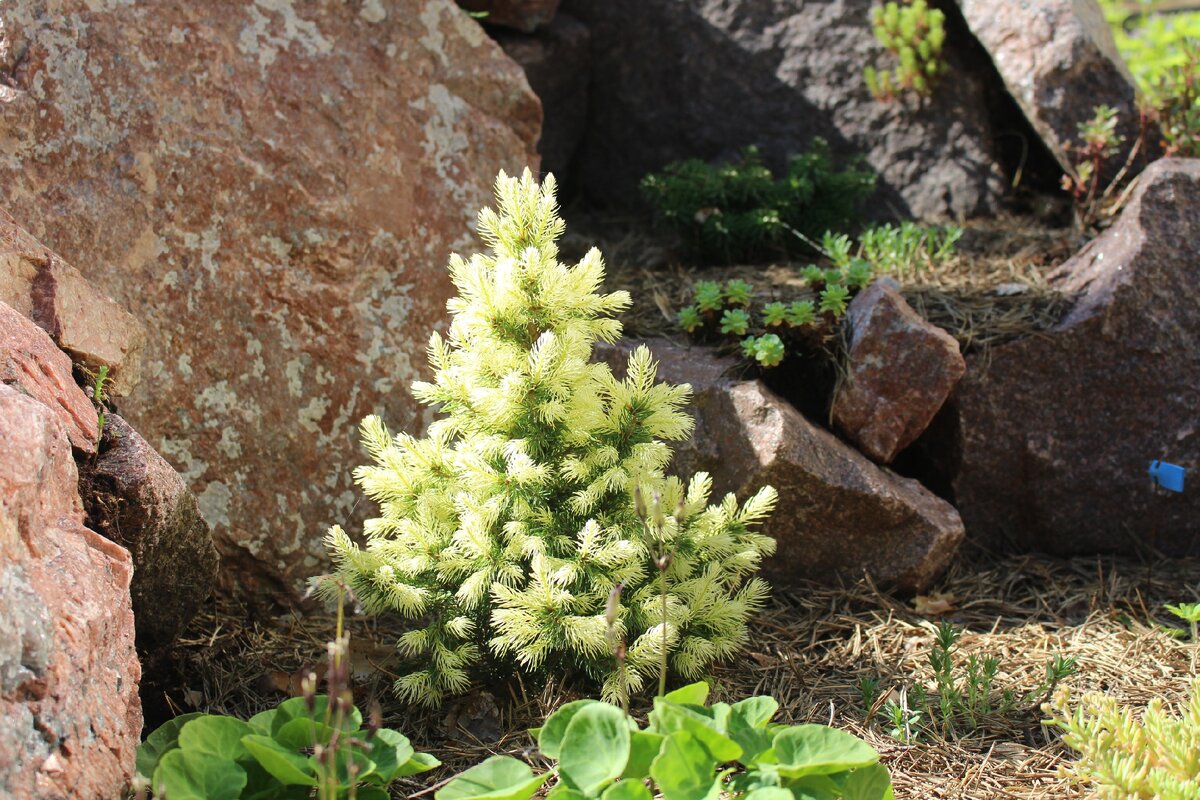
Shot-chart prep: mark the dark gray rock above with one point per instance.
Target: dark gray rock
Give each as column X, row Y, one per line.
column 556, row 60
column 1058, row 430
column 1059, row 61
column 839, row 515
column 138, row 500
column 674, row 79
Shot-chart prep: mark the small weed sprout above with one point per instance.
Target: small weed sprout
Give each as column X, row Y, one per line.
column 99, row 398
column 1189, row 613
column 915, row 34
column 1098, row 143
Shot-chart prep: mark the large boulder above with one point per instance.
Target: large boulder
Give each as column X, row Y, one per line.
column 676, row 79
column 32, row 364
column 273, row 189
column 1059, row 61
column 1058, row 430
column 899, row 371
column 94, row 330
column 839, row 515
column 134, row 497
column 70, row 719
column 557, row 63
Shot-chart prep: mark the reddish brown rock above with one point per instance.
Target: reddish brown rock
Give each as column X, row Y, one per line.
column 138, row 500
column 32, row 364
column 523, row 15
column 70, row 719
column 273, row 189
column 1058, row 430
column 88, row 324
column 1059, row 61
column 900, row 369
column 839, row 515
column 556, row 61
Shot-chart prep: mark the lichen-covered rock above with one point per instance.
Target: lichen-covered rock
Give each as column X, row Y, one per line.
column 88, row 324
column 138, row 500
column 70, row 718
column 900, row 370
column 1059, row 61
column 523, row 15
column 557, row 61
column 31, row 363
column 839, row 515
column 1058, row 429
column 675, row 79
column 272, row 188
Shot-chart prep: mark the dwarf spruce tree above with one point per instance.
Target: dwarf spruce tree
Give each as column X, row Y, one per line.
column 505, row 531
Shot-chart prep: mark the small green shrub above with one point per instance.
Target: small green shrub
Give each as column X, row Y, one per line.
column 906, row 249
column 1099, row 142
column 687, row 751
column 506, row 529
column 915, row 34
column 740, row 213
column 1156, row 757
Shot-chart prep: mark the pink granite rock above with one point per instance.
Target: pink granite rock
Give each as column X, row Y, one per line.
column 70, row 717
column 901, row 369
column 88, row 324
column 31, row 363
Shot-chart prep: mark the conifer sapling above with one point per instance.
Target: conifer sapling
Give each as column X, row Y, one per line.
column 505, row 531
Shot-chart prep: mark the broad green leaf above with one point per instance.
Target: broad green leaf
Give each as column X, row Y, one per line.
column 550, row 735
column 644, row 747
column 288, row 767
column 754, row 712
column 748, row 726
column 343, row 757
column 164, row 739
column 868, row 783
column 419, row 762
column 497, row 778
column 820, row 750
column 694, row 694
column 684, row 770
column 215, row 735
column 815, row 787
column 301, row 733
column 770, row 793
column 183, row 775
column 261, row 722
column 297, row 708
column 390, row 750
column 595, row 748
column 372, row 793
column 627, row 790
column 671, row 718
column 563, row 792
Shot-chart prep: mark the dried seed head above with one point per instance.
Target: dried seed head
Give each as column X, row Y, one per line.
column 613, row 607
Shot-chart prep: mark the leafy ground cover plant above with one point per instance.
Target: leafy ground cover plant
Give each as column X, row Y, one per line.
column 726, row 314
column 689, row 750
column 309, row 746
column 964, row 695
column 1125, row 757
column 740, row 212
column 506, row 529
column 1189, row 613
column 915, row 34
column 1098, row 144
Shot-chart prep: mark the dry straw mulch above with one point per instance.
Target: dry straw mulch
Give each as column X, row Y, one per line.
column 808, row 649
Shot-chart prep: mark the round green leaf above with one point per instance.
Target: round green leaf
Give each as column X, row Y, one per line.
column 288, row 767
column 390, row 750
column 417, row 763
column 770, row 793
column 694, row 694
column 302, row 732
column 627, row 790
column 262, row 721
column 820, row 750
column 184, row 775
column 550, row 735
column 670, row 718
column 595, row 748
column 868, row 783
column 215, row 735
column 297, row 708
column 164, row 739
column 684, row 769
column 644, row 747
column 497, row 778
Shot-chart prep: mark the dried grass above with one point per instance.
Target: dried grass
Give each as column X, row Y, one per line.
column 808, row 649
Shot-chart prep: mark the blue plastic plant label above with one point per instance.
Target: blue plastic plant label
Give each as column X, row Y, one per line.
column 1168, row 476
